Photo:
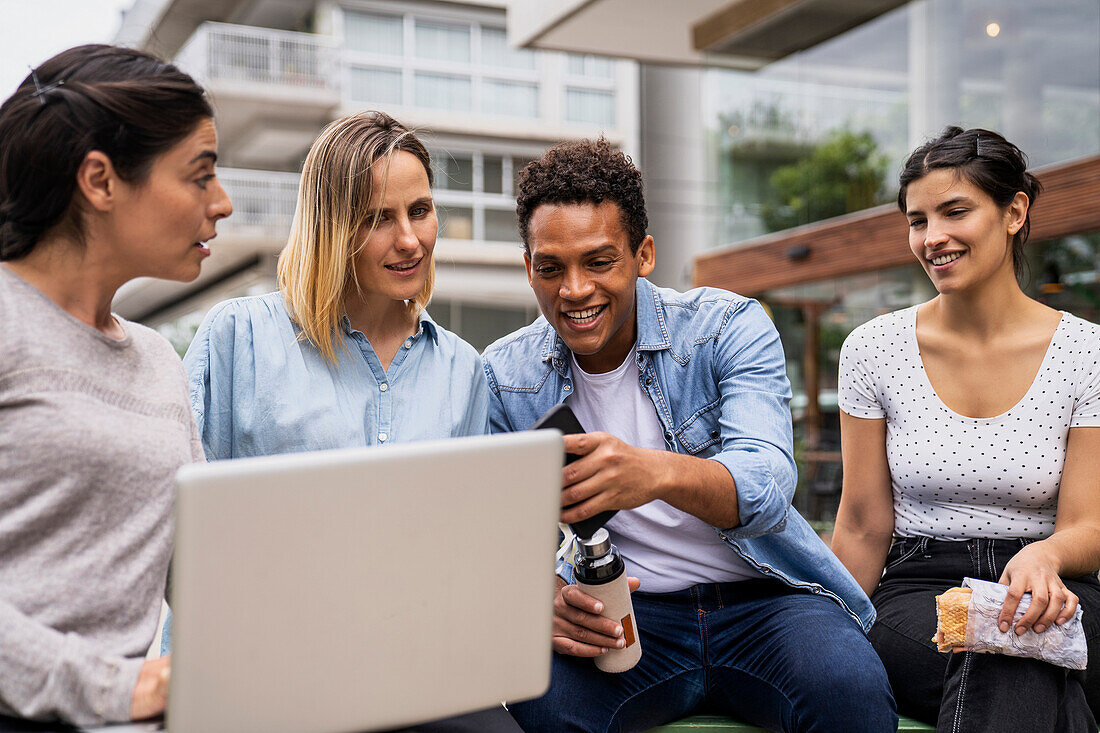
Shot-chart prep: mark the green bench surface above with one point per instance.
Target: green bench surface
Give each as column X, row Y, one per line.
column 719, row 723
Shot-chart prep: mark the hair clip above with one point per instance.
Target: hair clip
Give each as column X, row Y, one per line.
column 39, row 90
column 978, row 145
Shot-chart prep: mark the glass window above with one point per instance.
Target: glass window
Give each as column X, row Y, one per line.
column 595, row 66
column 590, row 105
column 482, row 325
column 518, row 164
column 501, row 225
column 442, row 91
column 493, row 174
column 1065, row 274
column 513, row 98
column 440, row 311
column 382, row 86
column 453, row 172
column 373, row 33
column 496, row 52
column 455, row 222
column 779, row 134
column 813, row 319
column 442, row 42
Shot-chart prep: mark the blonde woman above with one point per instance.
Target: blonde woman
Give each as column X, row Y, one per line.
column 343, row 354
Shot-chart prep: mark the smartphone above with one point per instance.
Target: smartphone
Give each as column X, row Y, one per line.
column 562, row 418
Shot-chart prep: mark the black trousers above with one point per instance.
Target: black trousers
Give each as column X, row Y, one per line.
column 969, row 692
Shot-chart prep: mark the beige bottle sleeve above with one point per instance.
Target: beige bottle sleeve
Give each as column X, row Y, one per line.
column 615, row 597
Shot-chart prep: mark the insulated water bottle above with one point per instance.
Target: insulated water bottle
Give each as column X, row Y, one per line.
column 601, row 574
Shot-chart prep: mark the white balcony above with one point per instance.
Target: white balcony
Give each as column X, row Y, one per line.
column 263, row 205
column 272, row 90
column 221, row 52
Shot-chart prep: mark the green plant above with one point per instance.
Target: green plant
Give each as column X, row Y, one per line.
column 844, row 173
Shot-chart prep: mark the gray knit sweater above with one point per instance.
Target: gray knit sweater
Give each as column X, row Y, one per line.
column 92, row 431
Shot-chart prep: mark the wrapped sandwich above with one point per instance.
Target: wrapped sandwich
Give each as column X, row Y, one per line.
column 967, row 618
column 952, row 610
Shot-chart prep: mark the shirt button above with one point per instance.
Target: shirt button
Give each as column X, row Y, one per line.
column 382, row 437
column 408, row 343
column 668, row 436
column 648, row 381
column 383, row 386
column 567, row 388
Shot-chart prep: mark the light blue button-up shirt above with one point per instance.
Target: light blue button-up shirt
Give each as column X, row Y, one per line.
column 258, row 389
column 713, row 365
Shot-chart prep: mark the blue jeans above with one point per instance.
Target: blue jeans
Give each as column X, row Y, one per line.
column 755, row 650
column 968, row 692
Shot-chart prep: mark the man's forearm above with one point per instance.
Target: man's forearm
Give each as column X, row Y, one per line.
column 698, row 486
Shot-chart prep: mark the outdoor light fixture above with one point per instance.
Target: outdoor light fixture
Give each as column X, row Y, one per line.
column 993, row 30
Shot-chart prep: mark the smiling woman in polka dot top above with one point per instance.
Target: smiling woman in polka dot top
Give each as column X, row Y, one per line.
column 970, row 430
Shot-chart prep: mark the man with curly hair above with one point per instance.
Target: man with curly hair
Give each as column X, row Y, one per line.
column 743, row 610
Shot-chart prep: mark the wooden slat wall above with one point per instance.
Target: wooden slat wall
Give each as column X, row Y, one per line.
column 877, row 238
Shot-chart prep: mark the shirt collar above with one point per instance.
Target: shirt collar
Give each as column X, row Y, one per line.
column 652, row 332
column 427, row 325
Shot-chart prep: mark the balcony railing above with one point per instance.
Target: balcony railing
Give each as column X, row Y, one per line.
column 225, row 52
column 263, row 201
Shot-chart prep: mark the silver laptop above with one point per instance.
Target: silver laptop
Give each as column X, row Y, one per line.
column 366, row 588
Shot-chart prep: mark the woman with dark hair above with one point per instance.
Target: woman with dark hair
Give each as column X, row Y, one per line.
column 106, row 174
column 970, row 431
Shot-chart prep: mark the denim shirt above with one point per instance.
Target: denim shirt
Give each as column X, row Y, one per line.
column 258, row 389
column 713, row 365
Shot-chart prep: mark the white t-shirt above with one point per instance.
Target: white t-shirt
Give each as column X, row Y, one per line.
column 956, row 477
column 666, row 548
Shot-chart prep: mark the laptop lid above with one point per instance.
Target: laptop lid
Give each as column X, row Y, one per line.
column 364, row 588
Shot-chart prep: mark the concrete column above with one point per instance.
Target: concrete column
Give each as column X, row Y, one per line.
column 1022, row 119
column 679, row 192
column 935, row 68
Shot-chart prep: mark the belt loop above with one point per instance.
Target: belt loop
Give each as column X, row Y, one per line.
column 924, row 548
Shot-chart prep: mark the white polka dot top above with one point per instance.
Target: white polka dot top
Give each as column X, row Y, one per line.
column 956, row 477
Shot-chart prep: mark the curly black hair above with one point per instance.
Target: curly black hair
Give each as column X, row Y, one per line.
column 583, row 172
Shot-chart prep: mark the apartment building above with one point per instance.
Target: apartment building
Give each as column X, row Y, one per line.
column 279, row 70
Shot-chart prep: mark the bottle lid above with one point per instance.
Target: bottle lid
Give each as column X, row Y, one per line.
column 596, row 546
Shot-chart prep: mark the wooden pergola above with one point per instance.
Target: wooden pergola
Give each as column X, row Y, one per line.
column 876, row 239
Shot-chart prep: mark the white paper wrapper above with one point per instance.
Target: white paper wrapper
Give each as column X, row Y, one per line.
column 1062, row 645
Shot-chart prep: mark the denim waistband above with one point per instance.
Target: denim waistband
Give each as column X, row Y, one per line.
column 713, row 596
